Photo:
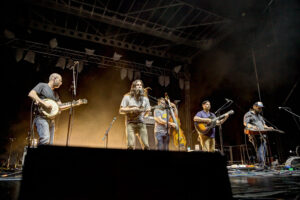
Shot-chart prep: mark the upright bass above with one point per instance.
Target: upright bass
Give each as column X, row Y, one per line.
column 177, row 133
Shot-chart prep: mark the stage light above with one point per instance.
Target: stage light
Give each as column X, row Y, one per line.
column 137, row 75
column 161, row 80
column 187, row 85
column 117, row 56
column 149, row 63
column 80, row 66
column 19, row 54
column 8, row 34
column 167, row 81
column 70, row 63
column 61, row 62
column 177, row 69
column 53, row 43
column 123, row 73
column 164, row 80
column 130, row 74
column 181, row 83
column 29, row 57
column 89, row 51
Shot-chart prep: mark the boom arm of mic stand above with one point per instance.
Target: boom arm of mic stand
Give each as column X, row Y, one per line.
column 289, row 111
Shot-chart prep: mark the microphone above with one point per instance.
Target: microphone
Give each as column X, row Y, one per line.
column 288, row 108
column 228, row 100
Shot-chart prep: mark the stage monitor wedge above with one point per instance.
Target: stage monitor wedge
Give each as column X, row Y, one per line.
column 55, row 172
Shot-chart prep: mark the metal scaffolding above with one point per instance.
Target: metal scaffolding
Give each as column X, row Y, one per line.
column 170, row 29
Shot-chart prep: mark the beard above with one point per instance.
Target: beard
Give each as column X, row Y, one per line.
column 139, row 92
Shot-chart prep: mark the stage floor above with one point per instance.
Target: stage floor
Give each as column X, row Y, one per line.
column 268, row 184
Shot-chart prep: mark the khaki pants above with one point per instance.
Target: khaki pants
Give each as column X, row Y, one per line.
column 207, row 143
column 138, row 128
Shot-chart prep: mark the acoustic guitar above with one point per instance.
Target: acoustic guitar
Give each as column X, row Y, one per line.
column 204, row 128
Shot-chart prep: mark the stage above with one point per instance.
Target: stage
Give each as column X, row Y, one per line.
column 277, row 182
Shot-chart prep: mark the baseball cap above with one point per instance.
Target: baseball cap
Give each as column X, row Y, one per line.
column 259, row 104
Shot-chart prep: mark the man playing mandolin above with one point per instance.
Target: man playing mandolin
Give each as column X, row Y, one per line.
column 45, row 127
column 207, row 139
column 135, row 105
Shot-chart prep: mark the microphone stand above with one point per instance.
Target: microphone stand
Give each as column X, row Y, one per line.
column 167, row 107
column 293, row 114
column 71, row 112
column 289, row 111
column 106, row 132
column 218, row 113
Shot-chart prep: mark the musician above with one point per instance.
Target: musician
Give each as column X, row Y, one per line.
column 207, row 141
column 253, row 120
column 45, row 127
column 135, row 105
column 161, row 132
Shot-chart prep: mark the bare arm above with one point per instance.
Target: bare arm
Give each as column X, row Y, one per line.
column 163, row 122
column 160, row 120
column 125, row 110
column 220, row 122
column 202, row 120
column 33, row 95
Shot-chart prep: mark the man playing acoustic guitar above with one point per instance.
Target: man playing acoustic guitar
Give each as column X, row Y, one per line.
column 207, row 139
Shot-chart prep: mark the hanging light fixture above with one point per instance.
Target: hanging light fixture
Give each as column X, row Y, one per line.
column 19, row 54
column 177, row 69
column 130, row 74
column 61, row 62
column 123, row 73
column 116, row 56
column 29, row 57
column 53, row 43
column 149, row 63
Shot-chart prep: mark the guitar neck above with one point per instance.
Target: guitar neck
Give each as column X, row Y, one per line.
column 69, row 104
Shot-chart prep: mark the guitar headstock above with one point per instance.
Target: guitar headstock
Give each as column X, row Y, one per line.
column 82, row 101
column 230, row 112
column 167, row 97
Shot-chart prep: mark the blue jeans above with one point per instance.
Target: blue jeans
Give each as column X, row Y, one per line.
column 45, row 129
column 260, row 146
column 261, row 151
column 162, row 141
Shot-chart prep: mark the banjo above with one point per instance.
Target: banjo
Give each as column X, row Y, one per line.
column 55, row 110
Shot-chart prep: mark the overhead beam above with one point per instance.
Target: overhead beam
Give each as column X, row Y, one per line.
column 104, row 40
column 82, row 12
column 100, row 60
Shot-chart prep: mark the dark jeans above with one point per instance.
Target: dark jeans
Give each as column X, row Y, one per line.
column 162, row 141
column 259, row 144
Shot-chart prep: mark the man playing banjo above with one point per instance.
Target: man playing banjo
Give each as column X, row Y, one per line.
column 40, row 94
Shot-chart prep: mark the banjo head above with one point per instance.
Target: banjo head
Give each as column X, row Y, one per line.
column 55, row 108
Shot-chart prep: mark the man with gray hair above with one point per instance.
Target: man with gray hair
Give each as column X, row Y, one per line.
column 46, row 127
